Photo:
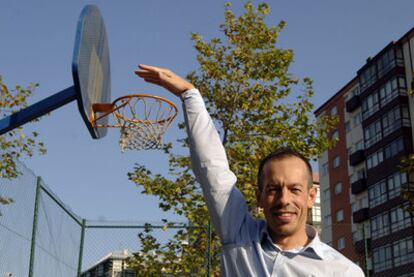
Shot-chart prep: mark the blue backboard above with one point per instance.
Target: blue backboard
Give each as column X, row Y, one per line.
column 91, row 67
column 91, row 76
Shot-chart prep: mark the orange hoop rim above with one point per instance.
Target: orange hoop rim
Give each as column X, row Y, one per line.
column 112, row 108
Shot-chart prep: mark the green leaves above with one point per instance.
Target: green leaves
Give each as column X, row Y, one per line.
column 257, row 106
column 16, row 143
column 407, row 192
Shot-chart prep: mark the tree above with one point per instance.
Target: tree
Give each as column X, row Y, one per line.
column 407, row 193
column 15, row 143
column 257, row 106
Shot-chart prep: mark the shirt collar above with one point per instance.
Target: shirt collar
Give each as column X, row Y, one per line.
column 315, row 245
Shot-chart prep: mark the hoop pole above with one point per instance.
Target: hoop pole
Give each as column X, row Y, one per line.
column 38, row 109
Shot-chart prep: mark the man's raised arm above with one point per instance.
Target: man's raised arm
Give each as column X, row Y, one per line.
column 226, row 204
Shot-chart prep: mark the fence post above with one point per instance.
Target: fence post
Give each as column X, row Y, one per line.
column 81, row 247
column 209, row 248
column 34, row 227
column 365, row 248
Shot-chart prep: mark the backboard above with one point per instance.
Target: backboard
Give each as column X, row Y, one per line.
column 90, row 67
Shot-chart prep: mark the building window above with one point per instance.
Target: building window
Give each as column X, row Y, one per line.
column 341, row 243
column 359, row 203
column 390, row 90
column 348, row 127
column 339, row 215
column 359, row 145
column 375, row 159
column 368, row 77
column 377, row 193
column 316, row 214
column 380, row 225
column 382, row 258
column 399, row 219
column 391, row 121
column 338, row 188
column 360, row 174
column 352, row 93
column 394, row 184
column 394, row 148
column 334, row 111
column 403, row 251
column 326, row 194
column 357, row 119
column 325, row 169
column 372, row 133
column 327, row 220
column 337, row 162
column 335, row 135
column 386, row 189
column 370, row 105
column 386, row 62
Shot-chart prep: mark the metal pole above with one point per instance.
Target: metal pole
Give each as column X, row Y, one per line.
column 34, row 227
column 81, row 247
column 38, row 109
column 209, row 248
column 365, row 249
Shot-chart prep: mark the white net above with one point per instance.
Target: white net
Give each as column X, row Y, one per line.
column 143, row 121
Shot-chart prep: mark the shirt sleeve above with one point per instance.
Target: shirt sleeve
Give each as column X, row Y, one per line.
column 225, row 202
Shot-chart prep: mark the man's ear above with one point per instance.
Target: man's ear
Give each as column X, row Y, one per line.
column 313, row 191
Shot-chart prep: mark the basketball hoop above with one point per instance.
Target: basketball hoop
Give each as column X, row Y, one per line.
column 142, row 118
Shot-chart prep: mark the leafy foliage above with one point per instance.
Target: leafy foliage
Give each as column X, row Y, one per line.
column 250, row 94
column 407, row 193
column 15, row 143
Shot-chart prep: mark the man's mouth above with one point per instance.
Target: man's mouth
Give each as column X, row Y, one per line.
column 284, row 216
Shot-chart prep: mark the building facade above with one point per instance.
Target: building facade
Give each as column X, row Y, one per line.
column 363, row 214
column 112, row 265
column 314, row 214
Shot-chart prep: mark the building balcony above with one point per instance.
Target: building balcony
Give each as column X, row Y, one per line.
column 357, row 157
column 360, row 245
column 361, row 215
column 353, row 103
column 359, row 186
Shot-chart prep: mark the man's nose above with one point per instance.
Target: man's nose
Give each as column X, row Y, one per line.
column 284, row 196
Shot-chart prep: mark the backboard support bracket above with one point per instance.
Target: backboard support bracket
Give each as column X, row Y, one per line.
column 38, row 109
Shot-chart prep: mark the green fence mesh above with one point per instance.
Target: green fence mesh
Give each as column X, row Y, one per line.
column 41, row 237
column 16, row 223
column 57, row 237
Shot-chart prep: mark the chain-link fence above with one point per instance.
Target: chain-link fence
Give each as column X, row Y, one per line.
column 41, row 237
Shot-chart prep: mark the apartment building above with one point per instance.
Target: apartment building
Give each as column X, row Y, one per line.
column 112, row 265
column 363, row 214
column 314, row 214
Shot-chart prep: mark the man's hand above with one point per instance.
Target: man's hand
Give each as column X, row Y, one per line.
column 164, row 78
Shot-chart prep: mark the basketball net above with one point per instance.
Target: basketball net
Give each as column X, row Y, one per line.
column 142, row 119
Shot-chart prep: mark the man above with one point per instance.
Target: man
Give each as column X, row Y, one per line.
column 283, row 245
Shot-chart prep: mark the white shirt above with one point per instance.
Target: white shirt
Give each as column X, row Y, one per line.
column 247, row 247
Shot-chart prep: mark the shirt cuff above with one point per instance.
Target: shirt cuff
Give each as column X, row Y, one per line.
column 189, row 93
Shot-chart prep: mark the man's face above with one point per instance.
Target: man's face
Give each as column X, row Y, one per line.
column 285, row 197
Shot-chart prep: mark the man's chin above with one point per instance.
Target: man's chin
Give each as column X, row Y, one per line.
column 282, row 231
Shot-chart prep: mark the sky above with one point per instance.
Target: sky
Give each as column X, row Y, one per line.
column 331, row 41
